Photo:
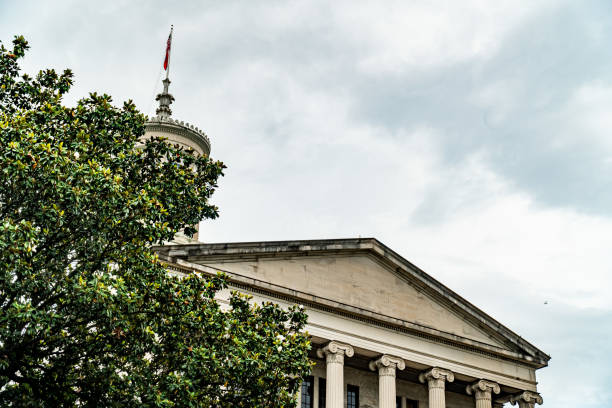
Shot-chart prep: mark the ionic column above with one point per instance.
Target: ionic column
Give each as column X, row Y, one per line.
column 334, row 353
column 436, row 379
column 386, row 366
column 482, row 392
column 299, row 397
column 526, row 399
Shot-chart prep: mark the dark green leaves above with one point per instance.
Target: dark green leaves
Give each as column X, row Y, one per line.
column 88, row 316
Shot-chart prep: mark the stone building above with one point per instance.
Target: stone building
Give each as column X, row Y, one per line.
column 384, row 333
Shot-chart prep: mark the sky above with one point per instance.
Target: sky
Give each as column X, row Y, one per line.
column 472, row 137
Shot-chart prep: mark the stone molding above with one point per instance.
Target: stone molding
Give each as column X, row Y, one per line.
column 179, row 128
column 386, row 365
column 335, row 351
column 520, row 350
column 436, row 377
column 240, row 282
column 483, row 389
column 526, row 399
column 165, row 100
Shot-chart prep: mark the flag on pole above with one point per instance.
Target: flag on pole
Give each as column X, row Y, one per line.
column 167, row 59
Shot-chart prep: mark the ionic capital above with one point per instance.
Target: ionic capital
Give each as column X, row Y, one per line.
column 335, row 351
column 436, row 377
column 482, row 389
column 526, row 399
column 386, row 365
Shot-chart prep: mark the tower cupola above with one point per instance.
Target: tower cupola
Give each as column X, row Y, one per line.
column 176, row 132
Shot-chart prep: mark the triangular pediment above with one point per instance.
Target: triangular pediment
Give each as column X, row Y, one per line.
column 362, row 275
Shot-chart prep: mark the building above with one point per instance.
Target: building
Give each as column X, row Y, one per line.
column 384, row 333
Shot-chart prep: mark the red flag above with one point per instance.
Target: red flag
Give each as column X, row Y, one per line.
column 167, row 59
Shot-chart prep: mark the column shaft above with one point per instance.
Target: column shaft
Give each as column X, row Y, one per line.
column 483, row 399
column 437, row 397
column 387, row 365
column 334, row 353
column 334, row 386
column 315, row 393
column 386, row 387
column 299, row 397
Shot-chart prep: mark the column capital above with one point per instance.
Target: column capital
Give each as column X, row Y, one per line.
column 335, row 351
column 482, row 389
column 386, row 365
column 526, row 399
column 436, row 377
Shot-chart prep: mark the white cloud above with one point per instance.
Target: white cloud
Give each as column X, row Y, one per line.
column 589, row 108
column 499, row 100
column 277, row 86
column 397, row 36
column 315, row 164
column 498, row 233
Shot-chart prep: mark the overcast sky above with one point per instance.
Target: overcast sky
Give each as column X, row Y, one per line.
column 472, row 137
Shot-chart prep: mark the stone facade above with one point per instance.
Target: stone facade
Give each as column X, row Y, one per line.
column 379, row 323
column 381, row 328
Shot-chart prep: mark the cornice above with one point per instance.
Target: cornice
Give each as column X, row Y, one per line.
column 369, row 246
column 349, row 311
column 180, row 128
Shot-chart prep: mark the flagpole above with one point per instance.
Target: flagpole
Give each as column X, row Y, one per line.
column 169, row 50
column 164, row 98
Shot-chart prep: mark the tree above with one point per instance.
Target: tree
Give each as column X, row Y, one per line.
column 89, row 316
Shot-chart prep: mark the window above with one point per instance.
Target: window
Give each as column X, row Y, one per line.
column 412, row 403
column 352, row 396
column 322, row 390
column 307, row 392
column 398, row 402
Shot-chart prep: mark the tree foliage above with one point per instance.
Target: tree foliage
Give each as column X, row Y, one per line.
column 88, row 314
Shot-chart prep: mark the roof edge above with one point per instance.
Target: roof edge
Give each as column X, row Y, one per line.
column 347, row 245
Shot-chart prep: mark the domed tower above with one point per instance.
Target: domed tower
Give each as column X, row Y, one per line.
column 175, row 131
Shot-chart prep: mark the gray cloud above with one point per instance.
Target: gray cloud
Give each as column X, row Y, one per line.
column 576, row 338
column 531, row 80
column 473, row 140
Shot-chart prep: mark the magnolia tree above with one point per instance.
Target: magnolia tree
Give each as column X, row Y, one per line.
column 89, row 316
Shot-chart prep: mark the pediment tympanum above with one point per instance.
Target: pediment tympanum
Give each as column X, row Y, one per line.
column 363, row 277
column 358, row 281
